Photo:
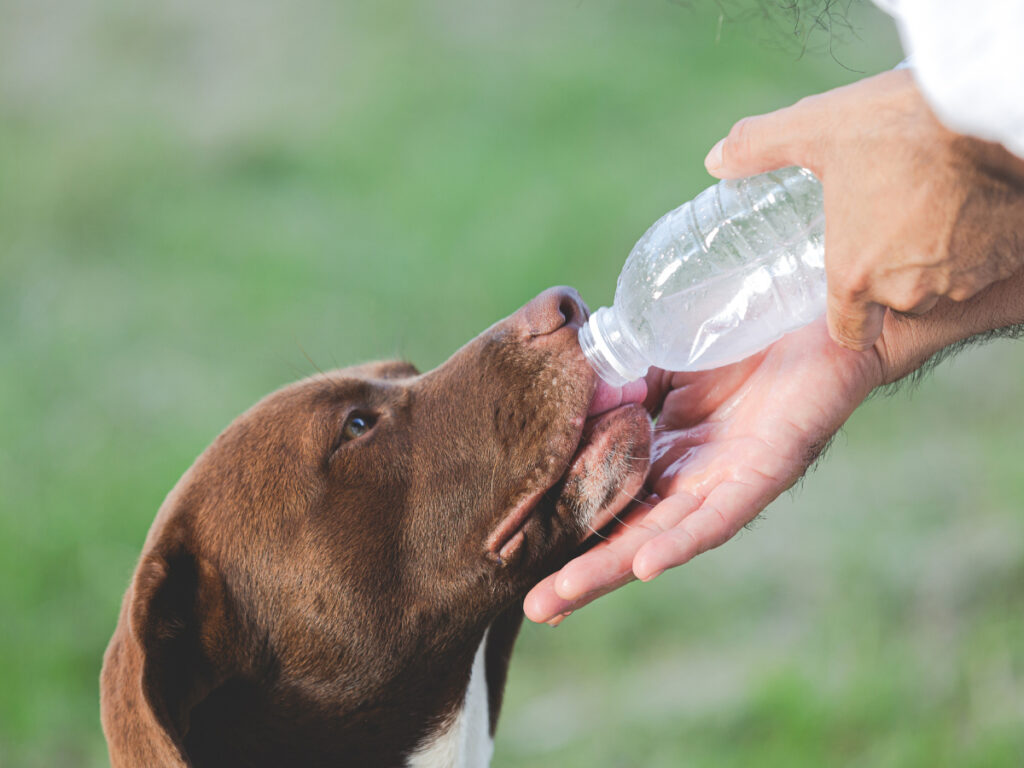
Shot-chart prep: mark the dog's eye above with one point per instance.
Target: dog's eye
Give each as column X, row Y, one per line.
column 357, row 425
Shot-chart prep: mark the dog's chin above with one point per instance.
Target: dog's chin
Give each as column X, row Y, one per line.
column 608, row 470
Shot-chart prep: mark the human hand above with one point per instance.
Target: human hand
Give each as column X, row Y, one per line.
column 914, row 211
column 728, row 441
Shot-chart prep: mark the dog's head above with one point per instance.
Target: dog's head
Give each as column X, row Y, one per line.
column 375, row 507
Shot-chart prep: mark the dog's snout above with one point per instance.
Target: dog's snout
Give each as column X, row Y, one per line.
column 553, row 309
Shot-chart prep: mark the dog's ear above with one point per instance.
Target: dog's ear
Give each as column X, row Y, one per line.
column 178, row 618
column 170, row 658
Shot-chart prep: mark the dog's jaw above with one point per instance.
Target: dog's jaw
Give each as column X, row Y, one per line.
column 602, row 469
column 609, row 469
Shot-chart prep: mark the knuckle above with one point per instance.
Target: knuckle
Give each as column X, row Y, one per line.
column 960, row 294
column 691, row 540
column 939, row 283
column 741, row 137
column 963, row 290
column 850, row 285
column 860, row 282
column 812, row 101
column 725, row 530
column 909, row 300
column 650, row 530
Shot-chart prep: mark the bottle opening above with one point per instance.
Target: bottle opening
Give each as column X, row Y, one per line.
column 609, row 353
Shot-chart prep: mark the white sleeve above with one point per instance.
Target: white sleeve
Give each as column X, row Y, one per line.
column 968, row 59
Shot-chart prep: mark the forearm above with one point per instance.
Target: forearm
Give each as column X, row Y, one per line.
column 909, row 342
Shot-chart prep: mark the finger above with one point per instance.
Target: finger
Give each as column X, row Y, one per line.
column 543, row 603
column 596, row 570
column 608, row 565
column 854, row 324
column 765, row 142
column 611, row 562
column 591, row 596
column 658, row 385
column 726, row 510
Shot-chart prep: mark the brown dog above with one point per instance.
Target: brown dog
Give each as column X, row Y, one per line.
column 337, row 579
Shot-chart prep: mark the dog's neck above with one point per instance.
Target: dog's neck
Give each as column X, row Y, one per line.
column 465, row 739
column 441, row 711
column 445, row 717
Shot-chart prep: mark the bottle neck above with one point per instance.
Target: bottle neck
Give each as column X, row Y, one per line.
column 611, row 351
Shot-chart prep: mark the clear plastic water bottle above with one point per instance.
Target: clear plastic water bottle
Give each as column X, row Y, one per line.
column 716, row 280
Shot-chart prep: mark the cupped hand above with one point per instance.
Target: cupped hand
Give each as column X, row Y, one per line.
column 913, row 211
column 727, row 442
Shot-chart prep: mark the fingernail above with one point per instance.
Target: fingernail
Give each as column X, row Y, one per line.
column 558, row 619
column 652, row 576
column 714, row 159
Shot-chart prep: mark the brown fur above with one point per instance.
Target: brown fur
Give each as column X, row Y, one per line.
column 306, row 599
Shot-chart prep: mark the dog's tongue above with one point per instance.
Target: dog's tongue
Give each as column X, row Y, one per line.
column 608, row 397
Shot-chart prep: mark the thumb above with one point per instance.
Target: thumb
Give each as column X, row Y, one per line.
column 854, row 324
column 766, row 142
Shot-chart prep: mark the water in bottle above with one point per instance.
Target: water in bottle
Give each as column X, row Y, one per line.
column 716, row 280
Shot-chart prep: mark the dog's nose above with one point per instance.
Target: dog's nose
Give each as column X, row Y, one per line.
column 554, row 309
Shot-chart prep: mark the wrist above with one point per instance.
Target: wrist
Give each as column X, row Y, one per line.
column 908, row 342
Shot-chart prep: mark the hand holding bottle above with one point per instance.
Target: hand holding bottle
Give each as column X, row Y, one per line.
column 914, row 212
column 917, row 218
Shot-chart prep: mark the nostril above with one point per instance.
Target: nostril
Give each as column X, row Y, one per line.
column 572, row 310
column 553, row 309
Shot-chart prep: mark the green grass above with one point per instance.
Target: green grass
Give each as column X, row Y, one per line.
column 195, row 197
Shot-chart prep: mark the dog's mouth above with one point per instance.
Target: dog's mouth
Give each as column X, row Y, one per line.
column 604, row 473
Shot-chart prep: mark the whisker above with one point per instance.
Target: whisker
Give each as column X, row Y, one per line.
column 621, row 522
column 642, row 502
column 305, row 354
column 634, row 499
column 330, row 381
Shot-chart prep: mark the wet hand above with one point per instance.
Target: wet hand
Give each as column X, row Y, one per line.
column 727, row 442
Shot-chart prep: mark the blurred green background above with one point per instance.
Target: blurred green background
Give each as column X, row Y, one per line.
column 199, row 201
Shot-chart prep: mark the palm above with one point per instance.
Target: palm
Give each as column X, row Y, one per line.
column 727, row 443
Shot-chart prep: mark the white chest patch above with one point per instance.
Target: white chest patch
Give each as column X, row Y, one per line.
column 465, row 741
